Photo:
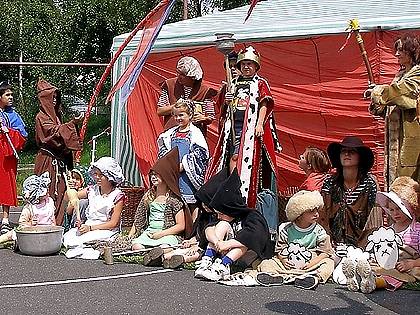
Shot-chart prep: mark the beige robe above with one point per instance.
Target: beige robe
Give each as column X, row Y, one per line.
column 402, row 137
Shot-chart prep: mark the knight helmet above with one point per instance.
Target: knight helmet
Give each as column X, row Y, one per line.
column 248, row 53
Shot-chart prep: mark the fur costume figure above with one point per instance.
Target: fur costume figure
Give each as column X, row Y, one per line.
column 398, row 103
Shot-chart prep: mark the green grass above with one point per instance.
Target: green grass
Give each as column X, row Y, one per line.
column 412, row 286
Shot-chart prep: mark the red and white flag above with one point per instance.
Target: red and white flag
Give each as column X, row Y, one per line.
column 151, row 29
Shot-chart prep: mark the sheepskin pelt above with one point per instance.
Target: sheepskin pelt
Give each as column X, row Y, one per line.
column 301, row 202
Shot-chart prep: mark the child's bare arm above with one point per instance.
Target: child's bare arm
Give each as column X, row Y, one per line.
column 259, row 129
column 316, row 260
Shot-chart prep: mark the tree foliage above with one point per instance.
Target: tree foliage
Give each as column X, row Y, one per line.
column 69, row 31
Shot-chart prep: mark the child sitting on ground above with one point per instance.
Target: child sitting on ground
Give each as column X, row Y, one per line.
column 39, row 207
column 78, row 183
column 240, row 230
column 401, row 203
column 303, row 249
column 106, row 201
column 161, row 217
column 191, row 249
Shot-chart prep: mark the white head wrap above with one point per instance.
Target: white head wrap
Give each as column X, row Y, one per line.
column 110, row 168
column 35, row 187
column 190, row 67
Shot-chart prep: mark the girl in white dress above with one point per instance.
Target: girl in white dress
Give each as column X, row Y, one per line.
column 105, row 204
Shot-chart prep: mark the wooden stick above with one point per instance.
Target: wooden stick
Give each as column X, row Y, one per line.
column 145, row 250
column 355, row 27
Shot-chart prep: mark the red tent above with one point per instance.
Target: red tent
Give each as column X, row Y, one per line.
column 317, row 89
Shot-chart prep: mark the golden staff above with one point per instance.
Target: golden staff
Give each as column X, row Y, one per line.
column 354, row 27
column 225, row 43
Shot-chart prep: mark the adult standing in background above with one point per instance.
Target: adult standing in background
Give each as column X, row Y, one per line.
column 397, row 103
column 187, row 85
column 57, row 141
column 12, row 133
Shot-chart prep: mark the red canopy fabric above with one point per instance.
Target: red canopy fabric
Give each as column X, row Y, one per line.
column 317, row 92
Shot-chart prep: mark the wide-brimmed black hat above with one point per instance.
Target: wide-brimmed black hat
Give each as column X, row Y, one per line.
column 228, row 198
column 366, row 155
column 206, row 192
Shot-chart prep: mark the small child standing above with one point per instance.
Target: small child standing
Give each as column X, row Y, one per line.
column 39, row 208
column 193, row 151
column 300, row 239
column 241, row 230
column 12, row 136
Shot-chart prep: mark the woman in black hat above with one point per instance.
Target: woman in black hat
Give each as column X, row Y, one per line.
column 349, row 194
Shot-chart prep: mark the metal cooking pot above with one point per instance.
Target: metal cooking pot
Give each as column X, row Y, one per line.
column 39, row 240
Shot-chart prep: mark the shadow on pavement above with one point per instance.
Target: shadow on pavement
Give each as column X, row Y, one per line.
column 400, row 301
column 297, row 307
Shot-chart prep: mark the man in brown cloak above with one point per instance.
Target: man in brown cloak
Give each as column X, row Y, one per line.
column 57, row 141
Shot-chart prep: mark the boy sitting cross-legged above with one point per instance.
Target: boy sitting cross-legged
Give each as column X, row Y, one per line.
column 303, row 249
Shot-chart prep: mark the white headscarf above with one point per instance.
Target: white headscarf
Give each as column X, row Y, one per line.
column 110, row 168
column 190, row 67
column 35, row 187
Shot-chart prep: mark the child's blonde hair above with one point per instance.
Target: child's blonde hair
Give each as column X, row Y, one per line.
column 184, row 105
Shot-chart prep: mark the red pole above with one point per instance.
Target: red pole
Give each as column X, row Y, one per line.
column 104, row 76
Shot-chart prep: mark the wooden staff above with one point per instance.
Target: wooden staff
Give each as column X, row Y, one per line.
column 225, row 43
column 354, row 27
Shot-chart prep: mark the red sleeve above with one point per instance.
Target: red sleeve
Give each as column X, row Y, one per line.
column 17, row 140
column 265, row 93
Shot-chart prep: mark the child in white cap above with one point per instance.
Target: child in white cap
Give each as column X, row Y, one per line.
column 401, row 204
column 39, row 208
column 106, row 202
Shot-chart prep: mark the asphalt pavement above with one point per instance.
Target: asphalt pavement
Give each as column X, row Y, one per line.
column 56, row 285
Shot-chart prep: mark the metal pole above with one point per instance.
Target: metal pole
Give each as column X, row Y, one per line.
column 52, row 64
column 185, row 12
column 225, row 43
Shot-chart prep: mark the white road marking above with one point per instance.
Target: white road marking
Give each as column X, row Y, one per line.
column 41, row 284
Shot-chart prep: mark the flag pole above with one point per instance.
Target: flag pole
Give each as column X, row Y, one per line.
column 106, row 73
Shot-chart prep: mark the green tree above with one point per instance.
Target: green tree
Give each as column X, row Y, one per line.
column 69, row 31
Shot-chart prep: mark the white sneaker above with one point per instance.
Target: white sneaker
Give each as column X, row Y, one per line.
column 349, row 270
column 217, row 271
column 204, row 265
column 367, row 282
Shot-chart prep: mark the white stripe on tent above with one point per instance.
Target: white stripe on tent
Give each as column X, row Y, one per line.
column 121, row 146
